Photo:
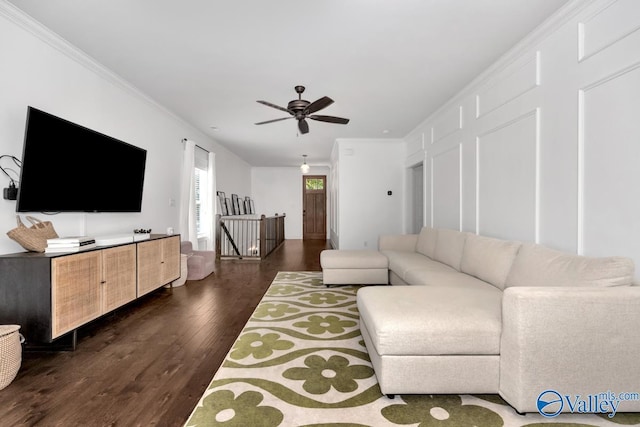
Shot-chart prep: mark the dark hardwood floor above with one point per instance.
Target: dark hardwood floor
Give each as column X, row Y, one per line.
column 148, row 363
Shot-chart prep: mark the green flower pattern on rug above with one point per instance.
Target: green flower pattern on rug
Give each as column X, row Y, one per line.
column 223, row 408
column 440, row 410
column 317, row 298
column 301, row 361
column 320, row 374
column 268, row 310
column 318, row 325
column 283, row 290
column 258, row 346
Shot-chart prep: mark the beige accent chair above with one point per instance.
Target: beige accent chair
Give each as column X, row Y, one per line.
column 200, row 264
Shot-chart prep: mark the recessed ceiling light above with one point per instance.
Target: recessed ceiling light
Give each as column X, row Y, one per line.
column 385, row 131
column 214, row 128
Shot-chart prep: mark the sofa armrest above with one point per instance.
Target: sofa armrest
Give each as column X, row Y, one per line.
column 398, row 242
column 574, row 340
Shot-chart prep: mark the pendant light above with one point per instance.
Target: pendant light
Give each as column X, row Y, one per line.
column 304, row 167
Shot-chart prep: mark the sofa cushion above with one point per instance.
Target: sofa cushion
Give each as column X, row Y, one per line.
column 449, row 247
column 488, row 259
column 397, row 242
column 427, row 240
column 450, row 278
column 536, row 265
column 426, row 320
column 401, row 262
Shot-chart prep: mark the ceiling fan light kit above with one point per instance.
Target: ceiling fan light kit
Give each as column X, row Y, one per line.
column 301, row 109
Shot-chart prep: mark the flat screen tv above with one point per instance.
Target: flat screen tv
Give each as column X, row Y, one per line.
column 70, row 168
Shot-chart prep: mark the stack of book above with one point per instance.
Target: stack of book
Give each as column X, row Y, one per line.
column 69, row 244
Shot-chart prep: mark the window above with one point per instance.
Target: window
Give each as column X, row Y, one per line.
column 202, row 190
column 314, row 184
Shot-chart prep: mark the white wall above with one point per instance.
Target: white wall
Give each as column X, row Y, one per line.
column 233, row 175
column 279, row 190
column 544, row 146
column 40, row 69
column 366, row 170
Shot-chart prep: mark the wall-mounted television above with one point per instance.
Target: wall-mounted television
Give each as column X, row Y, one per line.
column 70, row 168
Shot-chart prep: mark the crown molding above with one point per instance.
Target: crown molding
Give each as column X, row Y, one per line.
column 530, row 41
column 43, row 33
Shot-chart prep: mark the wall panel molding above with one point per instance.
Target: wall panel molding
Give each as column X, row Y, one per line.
column 448, row 124
column 513, row 82
column 510, row 207
column 446, row 188
column 606, row 27
column 564, row 15
column 608, row 125
column 534, row 112
column 552, row 153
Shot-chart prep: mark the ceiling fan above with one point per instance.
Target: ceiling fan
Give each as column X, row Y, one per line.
column 301, row 109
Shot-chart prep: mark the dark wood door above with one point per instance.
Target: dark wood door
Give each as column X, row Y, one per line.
column 314, row 207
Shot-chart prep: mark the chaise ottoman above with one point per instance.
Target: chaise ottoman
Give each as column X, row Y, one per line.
column 354, row 267
column 432, row 339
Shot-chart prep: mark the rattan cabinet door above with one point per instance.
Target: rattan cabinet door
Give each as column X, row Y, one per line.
column 149, row 266
column 158, row 263
column 75, row 291
column 118, row 276
column 170, row 259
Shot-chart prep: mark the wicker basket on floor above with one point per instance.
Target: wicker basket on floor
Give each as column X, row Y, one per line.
column 10, row 353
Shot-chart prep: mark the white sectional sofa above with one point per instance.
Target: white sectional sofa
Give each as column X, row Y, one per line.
column 473, row 314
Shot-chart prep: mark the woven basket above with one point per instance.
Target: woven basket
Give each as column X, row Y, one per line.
column 10, row 353
column 33, row 238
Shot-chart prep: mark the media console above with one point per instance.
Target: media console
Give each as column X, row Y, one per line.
column 51, row 295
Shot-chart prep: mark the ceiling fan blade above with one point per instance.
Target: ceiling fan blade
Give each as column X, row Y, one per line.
column 277, row 107
column 329, row 119
column 318, row 105
column 303, row 126
column 274, row 120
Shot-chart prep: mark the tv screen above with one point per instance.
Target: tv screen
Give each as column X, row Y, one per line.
column 70, row 168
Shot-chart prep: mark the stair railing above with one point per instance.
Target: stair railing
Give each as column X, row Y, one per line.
column 248, row 237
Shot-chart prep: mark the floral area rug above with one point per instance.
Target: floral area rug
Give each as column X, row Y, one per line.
column 301, row 361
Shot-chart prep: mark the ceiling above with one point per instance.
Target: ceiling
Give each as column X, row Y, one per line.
column 386, row 64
